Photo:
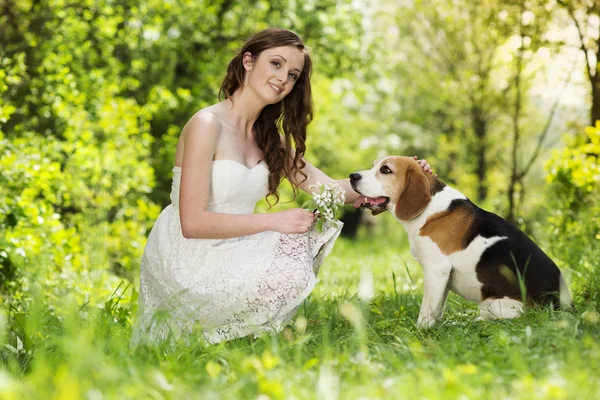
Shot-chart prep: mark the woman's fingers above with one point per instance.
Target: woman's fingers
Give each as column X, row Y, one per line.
column 423, row 163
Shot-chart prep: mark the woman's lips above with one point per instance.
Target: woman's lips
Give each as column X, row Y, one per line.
column 276, row 88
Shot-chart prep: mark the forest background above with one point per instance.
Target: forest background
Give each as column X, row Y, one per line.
column 501, row 98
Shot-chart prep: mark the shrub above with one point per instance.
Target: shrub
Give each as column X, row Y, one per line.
column 574, row 206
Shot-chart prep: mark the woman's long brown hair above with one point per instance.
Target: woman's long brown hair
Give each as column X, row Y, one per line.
column 286, row 119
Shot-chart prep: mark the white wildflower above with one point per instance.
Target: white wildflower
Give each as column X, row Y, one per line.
column 326, row 201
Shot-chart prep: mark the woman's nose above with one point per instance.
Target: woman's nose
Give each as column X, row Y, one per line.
column 281, row 75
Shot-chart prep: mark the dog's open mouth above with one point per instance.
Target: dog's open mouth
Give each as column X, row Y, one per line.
column 376, row 204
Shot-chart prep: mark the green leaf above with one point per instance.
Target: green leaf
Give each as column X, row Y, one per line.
column 319, row 225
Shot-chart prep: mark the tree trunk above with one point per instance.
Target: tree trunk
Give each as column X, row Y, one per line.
column 480, row 128
column 514, row 174
column 595, row 112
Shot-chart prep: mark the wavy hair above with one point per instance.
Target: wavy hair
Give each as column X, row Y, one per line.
column 280, row 127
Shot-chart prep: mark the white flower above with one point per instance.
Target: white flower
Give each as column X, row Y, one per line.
column 326, row 200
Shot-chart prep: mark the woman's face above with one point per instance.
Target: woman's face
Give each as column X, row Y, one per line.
column 273, row 74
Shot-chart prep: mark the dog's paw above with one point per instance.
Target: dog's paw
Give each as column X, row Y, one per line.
column 425, row 322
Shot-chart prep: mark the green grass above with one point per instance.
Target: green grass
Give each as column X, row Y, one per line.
column 338, row 346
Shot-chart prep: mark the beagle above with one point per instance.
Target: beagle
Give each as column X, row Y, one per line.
column 475, row 253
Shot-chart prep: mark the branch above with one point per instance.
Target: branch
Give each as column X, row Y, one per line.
column 544, row 133
column 581, row 39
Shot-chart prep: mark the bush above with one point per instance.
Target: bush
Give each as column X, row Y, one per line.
column 574, row 207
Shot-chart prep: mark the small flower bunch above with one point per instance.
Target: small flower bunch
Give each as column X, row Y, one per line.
column 326, row 202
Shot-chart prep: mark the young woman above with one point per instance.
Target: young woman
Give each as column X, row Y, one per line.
column 209, row 261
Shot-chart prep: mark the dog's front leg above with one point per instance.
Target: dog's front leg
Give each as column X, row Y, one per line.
column 435, row 292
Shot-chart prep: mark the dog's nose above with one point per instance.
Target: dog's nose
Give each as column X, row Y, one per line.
column 355, row 177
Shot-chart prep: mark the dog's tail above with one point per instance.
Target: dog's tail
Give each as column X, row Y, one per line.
column 566, row 302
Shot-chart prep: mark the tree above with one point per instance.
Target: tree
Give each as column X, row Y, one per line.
column 451, row 61
column 585, row 15
column 532, row 21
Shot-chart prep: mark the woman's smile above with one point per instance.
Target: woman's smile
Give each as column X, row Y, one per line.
column 278, row 89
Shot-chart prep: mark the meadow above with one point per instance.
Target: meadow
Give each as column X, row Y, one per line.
column 353, row 338
column 500, row 96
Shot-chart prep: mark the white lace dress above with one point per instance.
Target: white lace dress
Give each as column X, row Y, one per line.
column 229, row 287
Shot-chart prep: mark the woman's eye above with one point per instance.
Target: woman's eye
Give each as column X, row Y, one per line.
column 293, row 76
column 276, row 63
column 385, row 170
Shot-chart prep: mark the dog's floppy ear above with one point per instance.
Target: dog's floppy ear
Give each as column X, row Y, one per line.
column 415, row 195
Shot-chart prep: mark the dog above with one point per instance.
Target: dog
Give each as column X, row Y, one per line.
column 476, row 254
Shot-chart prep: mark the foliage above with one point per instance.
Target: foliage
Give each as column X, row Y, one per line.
column 574, row 205
column 56, row 194
column 74, row 151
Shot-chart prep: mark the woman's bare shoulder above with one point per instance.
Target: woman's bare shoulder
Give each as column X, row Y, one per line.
column 203, row 122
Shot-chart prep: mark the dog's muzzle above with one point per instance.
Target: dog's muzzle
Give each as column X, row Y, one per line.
column 377, row 205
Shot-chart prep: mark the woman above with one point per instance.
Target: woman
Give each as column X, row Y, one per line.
column 209, row 260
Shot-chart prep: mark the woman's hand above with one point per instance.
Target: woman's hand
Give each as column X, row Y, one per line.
column 296, row 220
column 423, row 163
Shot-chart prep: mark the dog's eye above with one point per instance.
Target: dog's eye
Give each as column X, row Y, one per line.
column 385, row 170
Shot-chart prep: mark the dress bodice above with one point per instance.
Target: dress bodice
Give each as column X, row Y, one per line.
column 234, row 188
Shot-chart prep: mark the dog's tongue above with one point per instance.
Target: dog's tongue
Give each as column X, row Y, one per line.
column 374, row 201
column 361, row 199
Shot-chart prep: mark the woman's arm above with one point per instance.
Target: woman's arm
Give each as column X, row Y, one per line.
column 315, row 175
column 201, row 135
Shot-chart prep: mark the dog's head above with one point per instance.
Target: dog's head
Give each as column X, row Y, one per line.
column 395, row 183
